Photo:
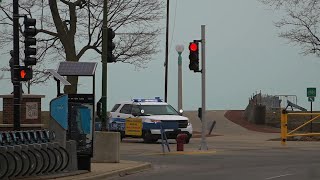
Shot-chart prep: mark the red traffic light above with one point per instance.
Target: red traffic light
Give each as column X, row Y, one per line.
column 193, row 47
column 23, row 74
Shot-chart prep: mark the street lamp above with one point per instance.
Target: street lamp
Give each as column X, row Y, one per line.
column 167, row 54
column 179, row 49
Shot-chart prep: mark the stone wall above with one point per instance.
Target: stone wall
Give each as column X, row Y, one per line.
column 273, row 114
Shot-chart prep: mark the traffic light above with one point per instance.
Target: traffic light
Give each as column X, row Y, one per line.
column 111, row 46
column 194, row 56
column 25, row 73
column 29, row 40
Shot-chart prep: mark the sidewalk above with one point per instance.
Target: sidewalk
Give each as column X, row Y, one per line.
column 101, row 171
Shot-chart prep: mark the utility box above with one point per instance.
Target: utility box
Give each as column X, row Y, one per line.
column 30, row 109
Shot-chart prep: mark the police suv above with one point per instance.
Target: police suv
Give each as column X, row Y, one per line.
column 152, row 112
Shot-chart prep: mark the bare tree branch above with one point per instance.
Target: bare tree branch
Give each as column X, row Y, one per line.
column 300, row 24
column 69, row 28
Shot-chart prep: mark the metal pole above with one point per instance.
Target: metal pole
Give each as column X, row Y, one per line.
column 179, row 81
column 16, row 67
column 104, row 61
column 203, row 81
column 167, row 52
column 283, row 127
column 311, row 118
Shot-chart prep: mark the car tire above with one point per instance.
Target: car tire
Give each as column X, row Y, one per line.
column 188, row 140
column 147, row 137
column 122, row 135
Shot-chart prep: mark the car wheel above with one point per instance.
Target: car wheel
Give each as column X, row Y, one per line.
column 122, row 135
column 188, row 140
column 154, row 140
column 147, row 137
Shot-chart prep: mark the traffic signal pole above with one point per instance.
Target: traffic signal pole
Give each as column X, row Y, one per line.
column 203, row 145
column 104, row 61
column 16, row 67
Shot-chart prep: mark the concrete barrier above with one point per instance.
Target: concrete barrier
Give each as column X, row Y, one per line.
column 106, row 147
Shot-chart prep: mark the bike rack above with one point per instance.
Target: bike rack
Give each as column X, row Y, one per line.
column 31, row 153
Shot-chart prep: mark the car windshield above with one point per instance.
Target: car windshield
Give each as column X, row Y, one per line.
column 158, row 110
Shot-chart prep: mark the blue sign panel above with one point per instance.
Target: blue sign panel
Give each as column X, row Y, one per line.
column 84, row 119
column 59, row 110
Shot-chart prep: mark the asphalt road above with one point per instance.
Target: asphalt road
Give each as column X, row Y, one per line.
column 244, row 164
column 235, row 155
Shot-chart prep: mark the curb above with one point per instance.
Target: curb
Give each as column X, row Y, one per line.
column 121, row 173
column 54, row 176
column 103, row 175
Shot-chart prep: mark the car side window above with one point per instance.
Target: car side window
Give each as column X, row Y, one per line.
column 115, row 107
column 135, row 109
column 126, row 109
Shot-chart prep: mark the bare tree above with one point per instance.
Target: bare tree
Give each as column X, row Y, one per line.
column 300, row 23
column 67, row 29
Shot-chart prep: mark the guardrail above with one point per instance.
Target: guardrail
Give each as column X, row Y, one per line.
column 31, row 153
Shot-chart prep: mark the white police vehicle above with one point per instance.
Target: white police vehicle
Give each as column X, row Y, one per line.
column 152, row 112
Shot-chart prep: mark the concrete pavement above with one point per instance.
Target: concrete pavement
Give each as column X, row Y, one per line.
column 107, row 170
column 101, row 171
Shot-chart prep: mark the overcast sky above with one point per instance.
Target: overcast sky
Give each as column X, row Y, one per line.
column 244, row 55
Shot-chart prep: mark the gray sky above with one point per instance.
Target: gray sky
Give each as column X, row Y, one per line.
column 244, row 55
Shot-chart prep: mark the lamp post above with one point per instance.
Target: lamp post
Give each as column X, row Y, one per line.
column 167, row 54
column 179, row 49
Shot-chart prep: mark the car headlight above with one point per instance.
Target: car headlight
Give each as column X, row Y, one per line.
column 155, row 121
column 152, row 121
column 189, row 123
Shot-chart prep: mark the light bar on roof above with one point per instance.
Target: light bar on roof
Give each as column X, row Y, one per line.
column 157, row 99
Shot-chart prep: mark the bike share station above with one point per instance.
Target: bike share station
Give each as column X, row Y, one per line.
column 73, row 114
column 68, row 143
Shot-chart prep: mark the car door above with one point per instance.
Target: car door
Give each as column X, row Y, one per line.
column 125, row 111
column 114, row 113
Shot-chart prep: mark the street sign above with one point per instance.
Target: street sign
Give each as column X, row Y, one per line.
column 133, row 127
column 311, row 92
column 311, row 99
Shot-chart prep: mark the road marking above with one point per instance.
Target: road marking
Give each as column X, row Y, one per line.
column 183, row 153
column 274, row 177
